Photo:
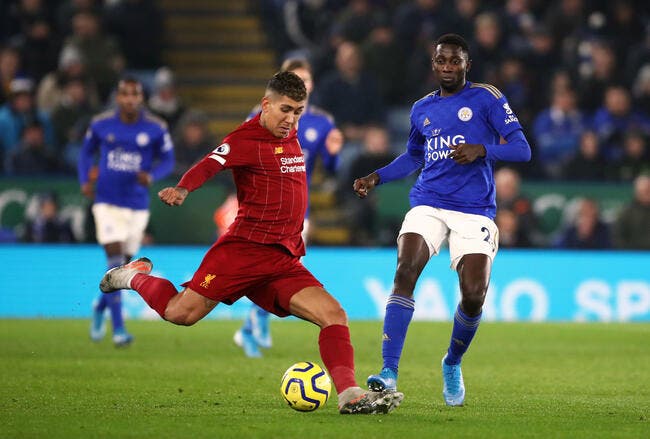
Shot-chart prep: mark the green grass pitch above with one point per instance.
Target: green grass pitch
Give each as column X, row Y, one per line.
column 522, row 380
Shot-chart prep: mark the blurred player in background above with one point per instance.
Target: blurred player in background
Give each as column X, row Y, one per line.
column 259, row 256
column 134, row 149
column 455, row 140
column 318, row 137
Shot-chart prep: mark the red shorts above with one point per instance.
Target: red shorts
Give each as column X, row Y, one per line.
column 267, row 274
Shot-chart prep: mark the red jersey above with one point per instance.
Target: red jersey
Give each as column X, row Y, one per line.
column 271, row 183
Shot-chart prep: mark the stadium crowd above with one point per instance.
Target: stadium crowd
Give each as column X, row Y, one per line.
column 576, row 72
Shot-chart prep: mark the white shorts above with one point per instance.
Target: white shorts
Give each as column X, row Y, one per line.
column 120, row 224
column 467, row 233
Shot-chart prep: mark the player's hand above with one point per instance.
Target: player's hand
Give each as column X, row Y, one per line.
column 365, row 184
column 466, row 152
column 173, row 196
column 144, row 178
column 334, row 141
column 88, row 190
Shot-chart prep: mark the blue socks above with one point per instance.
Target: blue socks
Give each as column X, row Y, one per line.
column 399, row 311
column 461, row 336
column 114, row 300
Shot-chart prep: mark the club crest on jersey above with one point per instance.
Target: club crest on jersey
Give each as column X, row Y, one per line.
column 311, row 134
column 278, row 150
column 207, row 280
column 465, row 114
column 142, row 139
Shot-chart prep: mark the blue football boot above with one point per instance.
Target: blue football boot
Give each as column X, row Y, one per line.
column 245, row 340
column 122, row 339
column 259, row 319
column 386, row 380
column 97, row 325
column 453, row 389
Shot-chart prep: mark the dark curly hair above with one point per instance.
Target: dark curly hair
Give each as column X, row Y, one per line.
column 288, row 84
column 453, row 39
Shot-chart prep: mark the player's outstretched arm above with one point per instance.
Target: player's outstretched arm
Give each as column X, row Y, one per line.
column 365, row 184
column 173, row 196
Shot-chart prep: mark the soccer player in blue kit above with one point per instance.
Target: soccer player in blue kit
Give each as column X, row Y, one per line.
column 457, row 134
column 134, row 149
column 318, row 137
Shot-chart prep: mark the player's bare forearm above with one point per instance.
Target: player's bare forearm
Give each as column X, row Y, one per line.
column 466, row 153
column 173, row 196
column 365, row 184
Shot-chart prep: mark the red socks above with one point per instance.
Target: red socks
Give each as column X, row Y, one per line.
column 338, row 355
column 157, row 292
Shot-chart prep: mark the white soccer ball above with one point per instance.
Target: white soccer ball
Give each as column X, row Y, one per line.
column 305, row 386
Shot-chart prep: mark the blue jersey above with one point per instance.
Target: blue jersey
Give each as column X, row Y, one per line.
column 479, row 113
column 124, row 150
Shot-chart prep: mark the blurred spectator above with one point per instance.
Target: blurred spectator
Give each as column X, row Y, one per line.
column 19, row 112
column 510, row 233
column 165, row 101
column 192, row 141
column 564, row 18
column 512, row 82
column 48, row 226
column 419, row 22
column 541, row 59
column 487, row 52
column 70, row 118
column 379, row 47
column 51, row 88
column 557, row 132
column 615, row 118
column 39, row 47
column 9, row 68
column 356, row 21
column 635, row 160
column 518, row 22
column 364, row 220
column 32, row 156
column 624, row 25
column 596, row 73
column 508, row 196
column 462, row 16
column 351, row 94
column 588, row 163
column 67, row 9
column 641, row 89
column 586, row 230
column 99, row 52
column 138, row 26
column 20, row 14
column 633, row 223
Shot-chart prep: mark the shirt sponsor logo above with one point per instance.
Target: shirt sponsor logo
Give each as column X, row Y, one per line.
column 438, row 147
column 465, row 114
column 123, row 161
column 142, row 139
column 510, row 115
column 436, row 132
column 292, row 164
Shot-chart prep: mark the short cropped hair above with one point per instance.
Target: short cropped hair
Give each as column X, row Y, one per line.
column 453, row 39
column 288, row 84
column 131, row 80
column 291, row 64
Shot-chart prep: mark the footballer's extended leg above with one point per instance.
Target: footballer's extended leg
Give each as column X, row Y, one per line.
column 356, row 401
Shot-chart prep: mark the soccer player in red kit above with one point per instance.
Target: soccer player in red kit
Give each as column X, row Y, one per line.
column 259, row 256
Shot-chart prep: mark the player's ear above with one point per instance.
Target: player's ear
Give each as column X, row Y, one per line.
column 469, row 65
column 266, row 102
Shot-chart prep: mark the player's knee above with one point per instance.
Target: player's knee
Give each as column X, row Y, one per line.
column 473, row 296
column 334, row 315
column 180, row 317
